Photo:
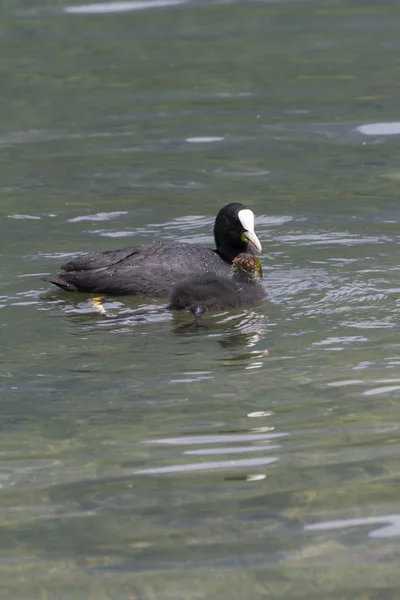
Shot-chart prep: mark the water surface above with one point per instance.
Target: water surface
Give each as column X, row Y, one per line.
column 255, row 458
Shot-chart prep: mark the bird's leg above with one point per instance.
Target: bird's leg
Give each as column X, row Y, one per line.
column 96, row 303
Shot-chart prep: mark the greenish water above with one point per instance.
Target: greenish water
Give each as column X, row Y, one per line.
column 258, row 458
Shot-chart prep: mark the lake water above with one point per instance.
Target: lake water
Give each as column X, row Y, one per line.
column 259, row 457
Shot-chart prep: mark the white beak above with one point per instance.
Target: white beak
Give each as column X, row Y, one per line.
column 246, row 217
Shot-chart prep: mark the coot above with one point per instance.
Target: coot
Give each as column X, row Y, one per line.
column 155, row 268
column 215, row 292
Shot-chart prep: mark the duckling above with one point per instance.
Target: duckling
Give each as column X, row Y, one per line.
column 201, row 293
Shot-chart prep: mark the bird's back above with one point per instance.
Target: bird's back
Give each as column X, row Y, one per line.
column 210, row 291
column 213, row 292
column 146, row 268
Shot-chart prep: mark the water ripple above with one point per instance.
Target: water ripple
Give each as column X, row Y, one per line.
column 391, row 522
column 207, row 466
column 118, row 7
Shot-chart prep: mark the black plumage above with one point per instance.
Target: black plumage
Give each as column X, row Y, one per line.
column 241, row 287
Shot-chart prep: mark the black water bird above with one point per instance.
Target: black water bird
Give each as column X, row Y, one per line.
column 155, row 268
column 210, row 291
